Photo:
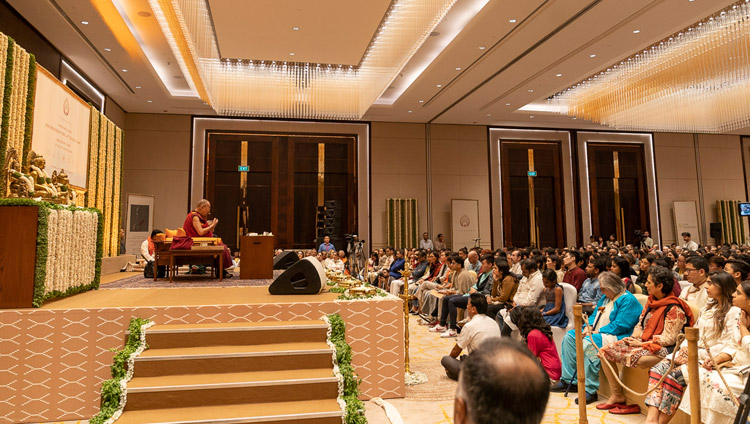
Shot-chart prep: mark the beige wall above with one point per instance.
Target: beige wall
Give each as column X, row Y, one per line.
column 677, row 177
column 399, row 170
column 157, row 161
column 460, row 170
column 721, row 175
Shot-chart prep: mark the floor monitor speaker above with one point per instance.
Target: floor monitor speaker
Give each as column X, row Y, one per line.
column 306, row 276
column 285, row 259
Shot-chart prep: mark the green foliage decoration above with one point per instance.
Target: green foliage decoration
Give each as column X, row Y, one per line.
column 42, row 246
column 30, row 93
column 112, row 388
column 5, row 126
column 355, row 408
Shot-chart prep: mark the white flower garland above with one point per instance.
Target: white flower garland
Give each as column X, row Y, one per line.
column 71, row 249
column 129, row 374
column 336, row 371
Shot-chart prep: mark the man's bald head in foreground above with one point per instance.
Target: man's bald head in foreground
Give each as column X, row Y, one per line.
column 501, row 382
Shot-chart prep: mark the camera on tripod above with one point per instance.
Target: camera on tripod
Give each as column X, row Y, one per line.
column 350, row 239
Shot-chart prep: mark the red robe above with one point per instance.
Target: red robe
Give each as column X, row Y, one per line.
column 191, row 232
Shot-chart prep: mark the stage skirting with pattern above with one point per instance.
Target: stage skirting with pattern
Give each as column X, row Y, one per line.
column 55, row 360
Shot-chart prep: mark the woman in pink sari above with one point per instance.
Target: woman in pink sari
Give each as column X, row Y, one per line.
column 197, row 225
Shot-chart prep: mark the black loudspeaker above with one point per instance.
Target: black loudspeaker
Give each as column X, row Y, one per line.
column 285, row 259
column 715, row 230
column 307, row 276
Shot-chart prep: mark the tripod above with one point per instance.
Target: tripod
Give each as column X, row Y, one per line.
column 744, row 408
column 357, row 258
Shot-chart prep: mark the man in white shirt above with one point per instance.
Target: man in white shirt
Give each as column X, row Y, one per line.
column 529, row 292
column 696, row 272
column 426, row 243
column 687, row 243
column 439, row 243
column 515, row 262
column 479, row 328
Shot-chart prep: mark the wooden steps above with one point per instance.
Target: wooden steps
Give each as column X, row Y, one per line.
column 279, row 372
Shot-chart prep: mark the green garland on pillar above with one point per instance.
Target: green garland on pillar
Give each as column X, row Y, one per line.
column 30, row 93
column 355, row 408
column 5, row 126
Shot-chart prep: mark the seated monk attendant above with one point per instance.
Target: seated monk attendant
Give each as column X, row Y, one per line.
column 197, row 225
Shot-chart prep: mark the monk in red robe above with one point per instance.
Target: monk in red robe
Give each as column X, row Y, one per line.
column 197, row 225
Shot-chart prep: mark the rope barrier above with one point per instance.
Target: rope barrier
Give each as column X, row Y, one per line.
column 716, row 367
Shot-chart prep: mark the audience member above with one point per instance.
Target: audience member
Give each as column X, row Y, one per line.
column 590, row 292
column 426, row 243
column 326, row 245
column 529, row 293
column 537, row 333
column 472, row 263
column 461, row 282
column 501, row 382
column 613, row 319
column 479, row 328
column 574, row 275
column 554, row 308
column 482, row 286
column 696, row 272
column 655, row 335
column 504, row 287
column 439, row 244
column 687, row 243
column 719, row 331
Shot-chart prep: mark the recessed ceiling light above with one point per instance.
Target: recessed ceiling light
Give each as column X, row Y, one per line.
column 558, row 75
column 507, row 104
column 531, row 116
column 124, row 70
column 291, row 54
column 137, row 86
column 421, row 101
column 513, row 21
column 107, row 49
column 296, row 28
column 575, row 117
column 489, row 114
column 592, row 55
column 150, row 101
column 531, row 91
column 85, row 22
column 410, row 111
column 458, row 69
column 482, row 47
column 439, row 85
column 636, row 31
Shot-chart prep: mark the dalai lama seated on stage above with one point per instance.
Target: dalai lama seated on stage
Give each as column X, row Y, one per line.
column 197, row 225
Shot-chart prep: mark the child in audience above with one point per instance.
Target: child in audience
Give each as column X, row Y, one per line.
column 538, row 336
column 554, row 309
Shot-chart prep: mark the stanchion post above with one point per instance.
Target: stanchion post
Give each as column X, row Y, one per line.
column 581, row 371
column 405, row 296
column 691, row 334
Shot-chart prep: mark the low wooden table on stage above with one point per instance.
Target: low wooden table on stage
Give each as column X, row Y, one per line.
column 215, row 252
column 256, row 257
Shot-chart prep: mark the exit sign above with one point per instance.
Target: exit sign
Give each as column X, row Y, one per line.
column 532, row 173
column 243, row 168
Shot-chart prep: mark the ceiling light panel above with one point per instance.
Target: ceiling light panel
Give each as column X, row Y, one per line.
column 694, row 81
column 295, row 90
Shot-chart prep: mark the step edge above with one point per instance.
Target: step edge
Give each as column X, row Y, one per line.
column 231, row 329
column 241, row 384
column 257, row 419
column 233, row 355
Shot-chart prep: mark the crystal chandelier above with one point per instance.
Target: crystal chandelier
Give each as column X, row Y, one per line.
column 276, row 89
column 695, row 81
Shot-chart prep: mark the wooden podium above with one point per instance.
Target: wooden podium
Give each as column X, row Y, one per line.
column 256, row 257
column 18, row 256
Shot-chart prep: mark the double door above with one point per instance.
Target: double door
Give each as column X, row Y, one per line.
column 617, row 181
column 533, row 212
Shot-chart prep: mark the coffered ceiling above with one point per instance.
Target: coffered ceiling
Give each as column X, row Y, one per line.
column 506, row 56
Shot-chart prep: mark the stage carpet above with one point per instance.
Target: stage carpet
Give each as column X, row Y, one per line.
column 185, row 281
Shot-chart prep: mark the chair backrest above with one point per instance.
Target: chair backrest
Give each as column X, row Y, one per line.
column 642, row 298
column 571, row 295
column 638, row 289
column 696, row 310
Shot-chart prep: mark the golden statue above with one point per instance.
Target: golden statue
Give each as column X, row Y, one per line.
column 18, row 183
column 43, row 185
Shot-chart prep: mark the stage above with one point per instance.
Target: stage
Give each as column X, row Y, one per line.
column 55, row 358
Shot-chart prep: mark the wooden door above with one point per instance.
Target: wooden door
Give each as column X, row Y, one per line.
column 533, row 210
column 288, row 176
column 618, row 190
